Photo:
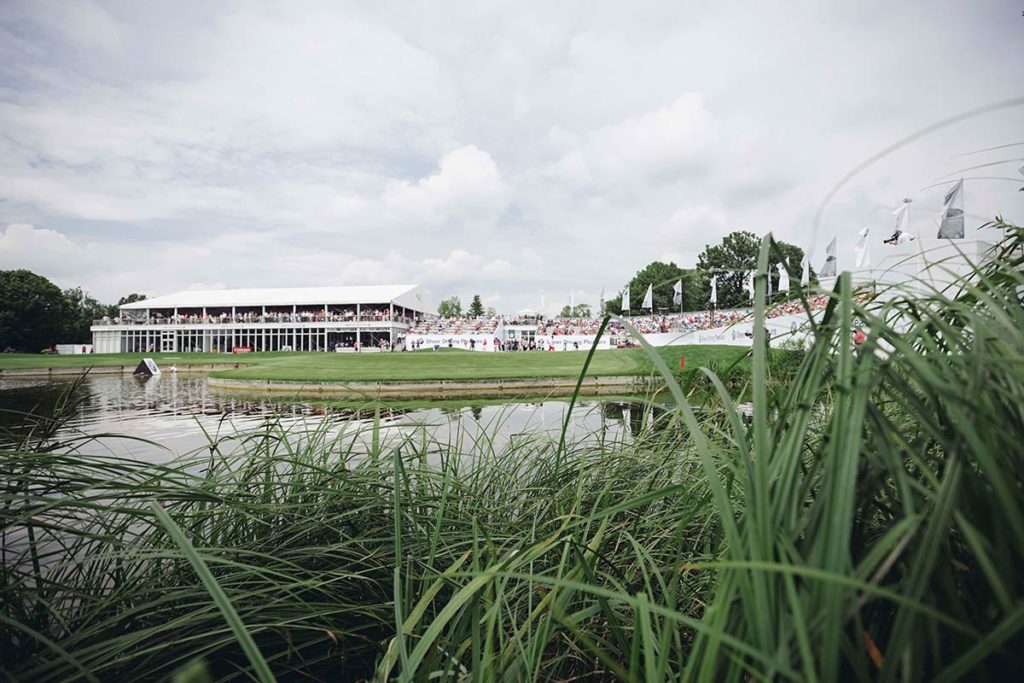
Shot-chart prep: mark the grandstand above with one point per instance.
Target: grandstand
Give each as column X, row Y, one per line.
column 517, row 333
column 356, row 318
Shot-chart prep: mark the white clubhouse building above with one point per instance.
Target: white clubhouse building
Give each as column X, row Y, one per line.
column 242, row 320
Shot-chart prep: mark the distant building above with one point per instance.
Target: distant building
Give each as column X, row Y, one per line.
column 240, row 320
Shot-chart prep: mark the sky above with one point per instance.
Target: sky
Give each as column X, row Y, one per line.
column 522, row 151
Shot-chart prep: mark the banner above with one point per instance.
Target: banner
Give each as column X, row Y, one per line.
column 783, row 278
column 829, row 269
column 951, row 221
column 862, row 250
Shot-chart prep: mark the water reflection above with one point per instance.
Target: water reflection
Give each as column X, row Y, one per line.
column 181, row 413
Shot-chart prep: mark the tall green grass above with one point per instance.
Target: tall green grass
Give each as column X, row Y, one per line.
column 866, row 522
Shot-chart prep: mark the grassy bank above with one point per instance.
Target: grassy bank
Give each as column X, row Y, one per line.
column 419, row 365
column 865, row 523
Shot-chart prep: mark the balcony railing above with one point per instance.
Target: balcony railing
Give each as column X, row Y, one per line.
column 256, row 318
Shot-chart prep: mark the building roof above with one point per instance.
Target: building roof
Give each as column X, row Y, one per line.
column 410, row 296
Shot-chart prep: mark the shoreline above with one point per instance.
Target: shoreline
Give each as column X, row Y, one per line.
column 74, row 371
column 412, row 389
column 511, row 387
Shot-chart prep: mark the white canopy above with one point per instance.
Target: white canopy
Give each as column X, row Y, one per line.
column 408, row 296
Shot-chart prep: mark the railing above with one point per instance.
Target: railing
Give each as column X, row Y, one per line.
column 249, row 318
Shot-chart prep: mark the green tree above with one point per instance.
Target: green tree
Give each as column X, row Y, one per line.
column 131, row 298
column 32, row 311
column 734, row 258
column 694, row 298
column 663, row 277
column 476, row 307
column 81, row 310
column 577, row 311
column 450, row 307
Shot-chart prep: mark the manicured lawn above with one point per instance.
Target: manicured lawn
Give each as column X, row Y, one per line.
column 418, row 365
column 10, row 361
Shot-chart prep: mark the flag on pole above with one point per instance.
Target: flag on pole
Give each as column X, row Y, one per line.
column 783, row 278
column 829, row 269
column 901, row 235
column 625, row 298
column 862, row 250
column 805, row 275
column 677, row 293
column 648, row 302
column 902, row 217
column 951, row 221
column 714, row 290
column 602, row 301
column 748, row 284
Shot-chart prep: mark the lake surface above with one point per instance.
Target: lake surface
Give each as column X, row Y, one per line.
column 181, row 414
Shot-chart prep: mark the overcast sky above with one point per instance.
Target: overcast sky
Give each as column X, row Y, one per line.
column 518, row 150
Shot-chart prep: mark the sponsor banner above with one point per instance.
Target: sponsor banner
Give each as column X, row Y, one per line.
column 571, row 342
column 466, row 342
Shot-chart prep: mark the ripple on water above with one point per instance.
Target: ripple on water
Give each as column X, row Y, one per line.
column 180, row 411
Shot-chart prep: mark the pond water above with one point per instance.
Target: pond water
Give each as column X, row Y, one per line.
column 180, row 414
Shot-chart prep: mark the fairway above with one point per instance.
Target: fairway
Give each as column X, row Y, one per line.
column 395, row 367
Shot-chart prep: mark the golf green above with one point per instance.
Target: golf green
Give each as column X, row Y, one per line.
column 403, row 366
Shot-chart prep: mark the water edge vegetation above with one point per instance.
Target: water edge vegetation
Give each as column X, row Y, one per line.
column 866, row 522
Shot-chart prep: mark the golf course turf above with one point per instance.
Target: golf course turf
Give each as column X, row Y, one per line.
column 396, row 367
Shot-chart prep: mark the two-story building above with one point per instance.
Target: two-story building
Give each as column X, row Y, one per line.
column 293, row 319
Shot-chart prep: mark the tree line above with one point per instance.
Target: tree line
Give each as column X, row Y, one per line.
column 36, row 314
column 730, row 261
column 452, row 308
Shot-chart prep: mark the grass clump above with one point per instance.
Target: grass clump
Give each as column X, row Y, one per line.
column 865, row 521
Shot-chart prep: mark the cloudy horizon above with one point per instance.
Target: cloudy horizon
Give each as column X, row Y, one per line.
column 522, row 152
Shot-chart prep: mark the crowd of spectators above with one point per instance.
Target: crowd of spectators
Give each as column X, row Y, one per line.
column 311, row 316
column 483, row 325
column 793, row 307
column 647, row 324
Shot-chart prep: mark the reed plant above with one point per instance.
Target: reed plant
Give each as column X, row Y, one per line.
column 865, row 521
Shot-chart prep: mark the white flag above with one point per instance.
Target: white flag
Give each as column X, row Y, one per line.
column 625, row 298
column 829, row 269
column 862, row 250
column 648, row 301
column 677, row 293
column 805, row 275
column 783, row 278
column 714, row 290
column 902, row 218
column 748, row 284
column 951, row 221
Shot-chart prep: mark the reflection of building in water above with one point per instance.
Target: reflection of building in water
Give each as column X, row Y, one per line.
column 298, row 319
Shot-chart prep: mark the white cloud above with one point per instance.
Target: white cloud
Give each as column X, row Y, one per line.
column 660, row 145
column 84, row 23
column 466, row 187
column 561, row 146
